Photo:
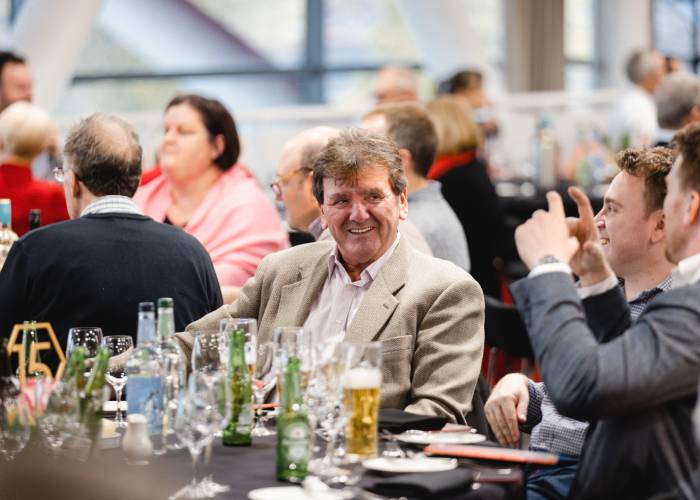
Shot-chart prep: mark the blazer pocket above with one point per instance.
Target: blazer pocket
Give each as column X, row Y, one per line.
column 395, row 344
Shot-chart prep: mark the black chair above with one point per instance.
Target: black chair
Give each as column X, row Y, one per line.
column 476, row 417
column 505, row 329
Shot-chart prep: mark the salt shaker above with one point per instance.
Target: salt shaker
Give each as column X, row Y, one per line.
column 136, row 443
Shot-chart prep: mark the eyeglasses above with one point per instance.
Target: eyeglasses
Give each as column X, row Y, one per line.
column 59, row 173
column 275, row 186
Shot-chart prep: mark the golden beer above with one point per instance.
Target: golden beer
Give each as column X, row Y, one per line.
column 361, row 393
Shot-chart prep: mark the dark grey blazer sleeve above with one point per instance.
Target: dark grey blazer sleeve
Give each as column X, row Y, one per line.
column 608, row 314
column 654, row 361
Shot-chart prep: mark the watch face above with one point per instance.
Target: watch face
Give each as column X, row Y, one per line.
column 548, row 259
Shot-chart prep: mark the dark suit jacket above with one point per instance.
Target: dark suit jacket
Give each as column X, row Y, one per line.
column 636, row 384
column 94, row 270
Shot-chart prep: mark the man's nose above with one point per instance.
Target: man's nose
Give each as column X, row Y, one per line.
column 359, row 212
column 600, row 219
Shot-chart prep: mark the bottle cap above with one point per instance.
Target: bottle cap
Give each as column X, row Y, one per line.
column 146, row 307
column 165, row 302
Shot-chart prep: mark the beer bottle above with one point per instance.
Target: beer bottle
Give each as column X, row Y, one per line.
column 294, row 434
column 238, row 431
column 29, row 337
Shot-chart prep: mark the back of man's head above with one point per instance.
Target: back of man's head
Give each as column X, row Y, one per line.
column 687, row 141
column 411, row 128
column 25, row 130
column 676, row 97
column 395, row 84
column 652, row 165
column 645, row 65
column 104, row 153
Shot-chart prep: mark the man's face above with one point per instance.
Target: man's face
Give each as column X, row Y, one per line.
column 294, row 190
column 363, row 216
column 15, row 84
column 624, row 225
column 675, row 207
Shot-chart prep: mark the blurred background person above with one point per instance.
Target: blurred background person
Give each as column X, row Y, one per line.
column 395, row 84
column 633, row 121
column 677, row 104
column 25, row 131
column 469, row 84
column 413, row 132
column 466, row 185
column 205, row 191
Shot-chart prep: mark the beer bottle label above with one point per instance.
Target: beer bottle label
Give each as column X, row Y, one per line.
column 144, row 395
column 296, row 442
column 245, row 419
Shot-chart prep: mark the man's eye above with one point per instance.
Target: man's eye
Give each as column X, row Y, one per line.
column 339, row 202
column 375, row 197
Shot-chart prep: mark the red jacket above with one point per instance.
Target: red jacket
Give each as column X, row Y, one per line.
column 25, row 192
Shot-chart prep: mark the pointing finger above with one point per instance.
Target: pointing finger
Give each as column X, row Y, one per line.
column 556, row 205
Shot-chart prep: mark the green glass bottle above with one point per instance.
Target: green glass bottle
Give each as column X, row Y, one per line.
column 238, row 431
column 294, row 433
column 29, row 337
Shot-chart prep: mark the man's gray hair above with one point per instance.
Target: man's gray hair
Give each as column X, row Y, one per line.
column 675, row 98
column 642, row 63
column 104, row 153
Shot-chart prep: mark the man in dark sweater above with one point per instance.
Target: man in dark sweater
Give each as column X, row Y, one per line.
column 94, row 269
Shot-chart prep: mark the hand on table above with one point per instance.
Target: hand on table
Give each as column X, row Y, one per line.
column 546, row 233
column 506, row 408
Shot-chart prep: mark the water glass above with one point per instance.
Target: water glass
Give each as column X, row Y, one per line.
column 14, row 428
column 263, row 381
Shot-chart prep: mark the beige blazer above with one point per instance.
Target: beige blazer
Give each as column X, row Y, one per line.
column 427, row 312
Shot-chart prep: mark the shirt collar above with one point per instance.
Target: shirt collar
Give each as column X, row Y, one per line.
column 316, row 228
column 664, row 285
column 370, row 273
column 112, row 204
column 687, row 272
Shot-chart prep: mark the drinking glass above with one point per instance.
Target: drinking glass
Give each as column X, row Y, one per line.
column 14, row 428
column 263, row 381
column 61, row 419
column 201, row 409
column 292, row 341
column 220, row 396
column 119, row 347
column 90, row 337
column 362, row 385
column 206, row 352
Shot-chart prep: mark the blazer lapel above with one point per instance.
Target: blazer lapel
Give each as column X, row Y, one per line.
column 380, row 301
column 296, row 298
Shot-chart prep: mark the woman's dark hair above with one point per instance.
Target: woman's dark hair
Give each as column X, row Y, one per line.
column 218, row 121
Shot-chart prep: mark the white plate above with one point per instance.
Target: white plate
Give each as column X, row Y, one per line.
column 410, row 464
column 421, row 437
column 289, row 493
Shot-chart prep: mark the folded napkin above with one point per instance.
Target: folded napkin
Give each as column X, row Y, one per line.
column 425, row 484
column 397, row 421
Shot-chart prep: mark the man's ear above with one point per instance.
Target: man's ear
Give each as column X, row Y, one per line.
column 659, row 231
column 406, row 158
column 693, row 209
column 403, row 204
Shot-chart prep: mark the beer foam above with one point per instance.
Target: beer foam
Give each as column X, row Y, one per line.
column 363, row 378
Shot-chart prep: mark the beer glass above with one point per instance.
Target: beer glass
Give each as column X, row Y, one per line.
column 363, row 380
column 250, row 332
column 292, row 341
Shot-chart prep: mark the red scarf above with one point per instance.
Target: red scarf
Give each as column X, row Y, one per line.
column 446, row 163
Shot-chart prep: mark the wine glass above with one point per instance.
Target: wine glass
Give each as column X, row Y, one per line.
column 120, row 346
column 14, row 428
column 206, row 352
column 200, row 410
column 263, row 381
column 90, row 337
column 249, row 326
column 220, row 396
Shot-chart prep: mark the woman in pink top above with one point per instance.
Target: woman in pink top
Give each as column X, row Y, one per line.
column 205, row 192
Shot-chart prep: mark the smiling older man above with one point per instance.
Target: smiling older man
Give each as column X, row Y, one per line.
column 369, row 284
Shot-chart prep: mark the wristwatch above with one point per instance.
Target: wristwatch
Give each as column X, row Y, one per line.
column 547, row 259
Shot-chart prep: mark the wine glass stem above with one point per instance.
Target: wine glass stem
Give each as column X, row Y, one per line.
column 119, row 419
column 258, row 409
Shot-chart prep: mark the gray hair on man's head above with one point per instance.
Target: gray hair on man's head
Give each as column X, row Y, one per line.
column 641, row 64
column 675, row 98
column 104, row 153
